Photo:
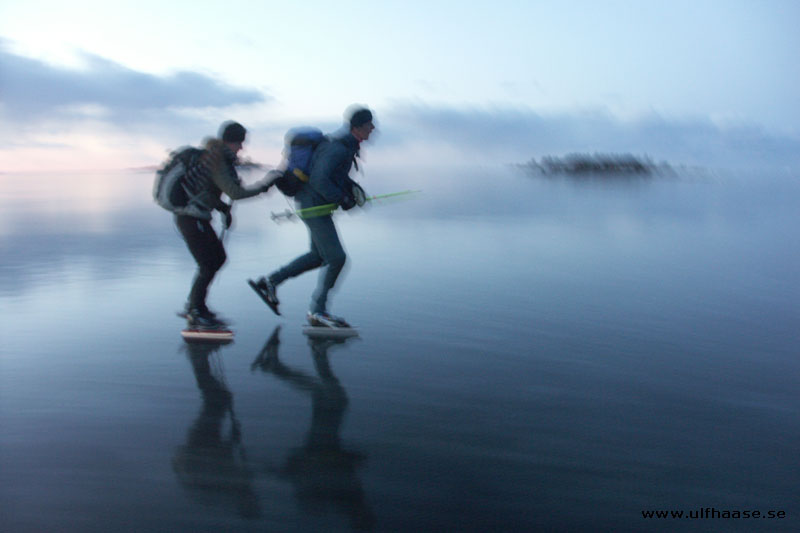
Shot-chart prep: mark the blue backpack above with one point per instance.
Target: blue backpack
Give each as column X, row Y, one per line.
column 300, row 145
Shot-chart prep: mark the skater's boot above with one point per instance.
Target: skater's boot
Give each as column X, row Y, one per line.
column 266, row 290
column 202, row 310
column 326, row 320
column 201, row 318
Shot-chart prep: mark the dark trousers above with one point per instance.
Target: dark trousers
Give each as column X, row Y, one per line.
column 208, row 252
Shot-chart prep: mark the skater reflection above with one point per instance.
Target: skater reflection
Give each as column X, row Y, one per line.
column 322, row 472
column 211, row 466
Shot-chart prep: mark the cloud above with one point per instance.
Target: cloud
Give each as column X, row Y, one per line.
column 31, row 90
column 509, row 135
column 107, row 108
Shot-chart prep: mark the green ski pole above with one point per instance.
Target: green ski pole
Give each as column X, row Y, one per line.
column 327, row 209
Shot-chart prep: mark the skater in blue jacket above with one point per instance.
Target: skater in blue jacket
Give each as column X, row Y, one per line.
column 329, row 183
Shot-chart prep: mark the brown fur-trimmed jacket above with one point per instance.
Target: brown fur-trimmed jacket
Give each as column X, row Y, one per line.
column 212, row 174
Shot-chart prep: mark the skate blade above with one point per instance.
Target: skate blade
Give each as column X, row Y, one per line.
column 263, row 297
column 330, row 333
column 215, row 335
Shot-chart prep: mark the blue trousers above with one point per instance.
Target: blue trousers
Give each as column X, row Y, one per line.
column 326, row 251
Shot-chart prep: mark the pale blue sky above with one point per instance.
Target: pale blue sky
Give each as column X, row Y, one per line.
column 90, row 83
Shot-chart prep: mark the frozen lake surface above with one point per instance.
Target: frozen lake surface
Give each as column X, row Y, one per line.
column 534, row 353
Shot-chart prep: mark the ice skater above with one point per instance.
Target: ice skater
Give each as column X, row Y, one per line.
column 210, row 175
column 328, row 183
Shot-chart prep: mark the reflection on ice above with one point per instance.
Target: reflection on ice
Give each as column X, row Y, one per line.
column 322, row 471
column 212, row 465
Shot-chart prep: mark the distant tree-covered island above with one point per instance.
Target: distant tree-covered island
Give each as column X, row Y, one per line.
column 577, row 164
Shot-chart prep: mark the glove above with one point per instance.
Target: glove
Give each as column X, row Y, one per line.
column 359, row 195
column 225, row 209
column 270, row 179
column 348, row 202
